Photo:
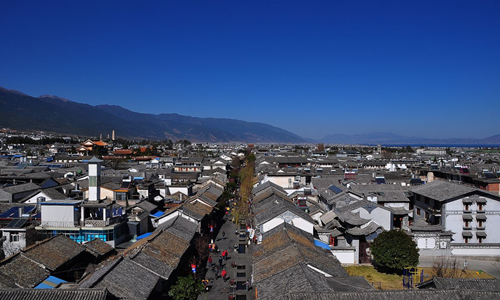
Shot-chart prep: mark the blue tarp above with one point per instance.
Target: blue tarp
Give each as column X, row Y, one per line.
column 157, row 214
column 321, row 244
column 50, row 159
column 50, row 283
column 143, row 236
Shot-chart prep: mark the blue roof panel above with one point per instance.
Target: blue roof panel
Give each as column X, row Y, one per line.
column 321, row 244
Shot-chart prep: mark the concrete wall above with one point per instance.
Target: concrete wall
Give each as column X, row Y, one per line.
column 381, row 216
column 345, row 256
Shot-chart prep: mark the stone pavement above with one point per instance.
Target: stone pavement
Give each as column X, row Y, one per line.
column 238, row 266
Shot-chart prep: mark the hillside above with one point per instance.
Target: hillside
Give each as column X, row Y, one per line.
column 55, row 114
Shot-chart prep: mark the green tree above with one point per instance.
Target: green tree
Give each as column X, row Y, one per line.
column 186, row 288
column 393, row 251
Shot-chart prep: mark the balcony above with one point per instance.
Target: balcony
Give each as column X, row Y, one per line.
column 101, row 223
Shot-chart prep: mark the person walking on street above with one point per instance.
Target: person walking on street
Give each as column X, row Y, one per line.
column 224, row 274
column 224, row 255
column 223, row 234
column 216, row 273
column 210, row 261
column 220, row 261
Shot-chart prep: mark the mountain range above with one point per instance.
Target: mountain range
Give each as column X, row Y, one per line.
column 54, row 114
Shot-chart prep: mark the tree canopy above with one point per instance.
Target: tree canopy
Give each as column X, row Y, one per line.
column 394, row 250
column 186, row 288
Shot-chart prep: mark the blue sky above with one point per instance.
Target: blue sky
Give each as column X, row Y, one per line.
column 415, row 68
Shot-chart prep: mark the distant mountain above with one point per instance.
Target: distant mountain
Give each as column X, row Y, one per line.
column 385, row 138
column 55, row 114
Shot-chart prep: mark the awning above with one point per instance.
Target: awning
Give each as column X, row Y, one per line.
column 467, row 217
column 467, row 201
column 481, row 234
column 480, row 217
column 467, row 234
column 481, row 200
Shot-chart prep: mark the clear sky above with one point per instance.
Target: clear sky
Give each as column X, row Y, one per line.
column 415, row 68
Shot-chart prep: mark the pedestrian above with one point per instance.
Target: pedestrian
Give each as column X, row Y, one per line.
column 210, row 261
column 247, row 285
column 225, row 254
column 216, row 273
column 223, row 234
column 220, row 261
column 224, row 274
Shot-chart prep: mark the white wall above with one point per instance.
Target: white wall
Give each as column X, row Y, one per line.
column 381, row 216
column 59, row 215
column 345, row 256
column 271, row 224
column 303, row 224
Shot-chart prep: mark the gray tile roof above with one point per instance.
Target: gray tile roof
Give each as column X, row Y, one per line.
column 467, row 284
column 54, row 252
column 285, row 247
column 23, row 271
column 273, row 207
column 391, row 295
column 442, row 190
column 53, row 294
column 128, row 280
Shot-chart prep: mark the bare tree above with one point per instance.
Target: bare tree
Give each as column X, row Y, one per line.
column 447, row 267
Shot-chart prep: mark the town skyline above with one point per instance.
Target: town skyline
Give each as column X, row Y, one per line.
column 412, row 69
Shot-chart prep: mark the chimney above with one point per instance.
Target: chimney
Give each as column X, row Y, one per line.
column 113, row 135
column 20, row 211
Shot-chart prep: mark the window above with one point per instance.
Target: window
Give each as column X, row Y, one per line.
column 479, row 207
column 480, row 224
column 426, row 215
column 418, row 211
column 466, row 223
column 480, row 240
column 14, row 238
column 466, row 240
column 466, row 207
column 426, row 200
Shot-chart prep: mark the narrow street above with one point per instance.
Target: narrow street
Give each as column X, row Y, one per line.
column 238, row 266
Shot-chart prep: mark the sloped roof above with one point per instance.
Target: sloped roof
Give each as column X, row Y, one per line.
column 23, row 271
column 441, row 190
column 273, row 207
column 266, row 185
column 54, row 252
column 53, row 294
column 128, row 280
column 390, row 295
column 467, row 284
column 98, row 247
column 287, row 246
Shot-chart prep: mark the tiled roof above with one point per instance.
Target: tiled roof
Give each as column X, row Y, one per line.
column 129, row 281
column 99, row 247
column 54, row 252
column 25, row 187
column 23, row 271
column 53, row 294
column 288, row 246
column 467, row 284
column 441, row 190
column 390, row 295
